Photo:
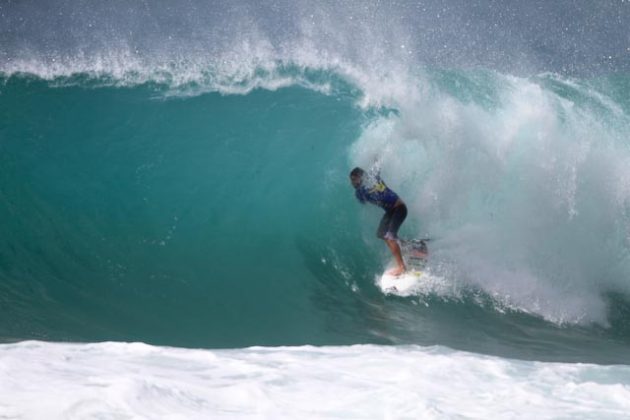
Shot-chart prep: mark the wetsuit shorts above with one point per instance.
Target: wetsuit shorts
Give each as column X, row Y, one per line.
column 391, row 221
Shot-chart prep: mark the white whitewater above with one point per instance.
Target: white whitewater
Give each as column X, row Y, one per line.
column 138, row 381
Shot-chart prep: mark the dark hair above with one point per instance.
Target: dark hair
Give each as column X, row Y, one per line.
column 357, row 172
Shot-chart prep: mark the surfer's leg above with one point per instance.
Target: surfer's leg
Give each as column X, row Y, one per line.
column 383, row 226
column 395, row 248
column 399, row 214
column 388, row 231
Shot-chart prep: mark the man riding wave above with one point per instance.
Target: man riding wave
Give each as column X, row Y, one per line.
column 371, row 188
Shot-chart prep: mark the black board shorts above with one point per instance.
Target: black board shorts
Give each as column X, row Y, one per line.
column 391, row 221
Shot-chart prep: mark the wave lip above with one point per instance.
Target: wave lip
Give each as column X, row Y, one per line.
column 182, row 78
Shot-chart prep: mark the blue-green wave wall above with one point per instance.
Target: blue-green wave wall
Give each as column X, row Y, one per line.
column 132, row 216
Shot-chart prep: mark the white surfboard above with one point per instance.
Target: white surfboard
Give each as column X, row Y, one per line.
column 404, row 285
column 415, row 254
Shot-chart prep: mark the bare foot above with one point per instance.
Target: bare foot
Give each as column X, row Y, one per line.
column 396, row 271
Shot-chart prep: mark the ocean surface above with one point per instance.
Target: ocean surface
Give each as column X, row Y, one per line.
column 179, row 237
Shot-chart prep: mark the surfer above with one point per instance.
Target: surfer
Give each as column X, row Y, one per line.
column 369, row 187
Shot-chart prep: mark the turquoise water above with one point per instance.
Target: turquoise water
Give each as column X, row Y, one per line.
column 181, row 220
column 136, row 212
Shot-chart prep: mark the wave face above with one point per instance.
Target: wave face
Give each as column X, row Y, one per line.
column 169, row 180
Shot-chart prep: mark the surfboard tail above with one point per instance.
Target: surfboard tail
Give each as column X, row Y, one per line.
column 415, row 247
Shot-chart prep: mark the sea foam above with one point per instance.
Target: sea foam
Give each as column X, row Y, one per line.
column 135, row 380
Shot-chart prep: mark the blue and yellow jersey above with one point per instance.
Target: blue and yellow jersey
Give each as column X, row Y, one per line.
column 377, row 193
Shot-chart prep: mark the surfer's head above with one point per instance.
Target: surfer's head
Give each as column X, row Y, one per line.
column 355, row 176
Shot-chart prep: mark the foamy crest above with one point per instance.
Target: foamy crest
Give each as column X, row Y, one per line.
column 231, row 49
